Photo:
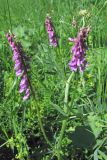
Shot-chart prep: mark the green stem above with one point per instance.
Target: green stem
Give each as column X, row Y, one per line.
column 42, row 128
column 67, row 92
column 83, row 20
column 64, row 122
column 4, row 144
column 82, row 80
column 38, row 111
column 39, row 116
column 9, row 15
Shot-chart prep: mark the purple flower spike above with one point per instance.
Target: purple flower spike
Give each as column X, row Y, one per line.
column 51, row 32
column 20, row 66
column 79, row 50
column 27, row 94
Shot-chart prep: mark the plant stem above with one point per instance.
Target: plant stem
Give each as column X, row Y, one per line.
column 9, row 15
column 42, row 128
column 39, row 116
column 82, row 80
column 37, row 106
column 67, row 93
column 83, row 20
column 4, row 144
column 64, row 122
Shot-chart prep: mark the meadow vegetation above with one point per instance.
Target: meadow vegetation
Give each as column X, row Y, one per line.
column 65, row 116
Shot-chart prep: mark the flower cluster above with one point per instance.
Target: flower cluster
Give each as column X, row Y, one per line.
column 79, row 50
column 51, row 32
column 20, row 68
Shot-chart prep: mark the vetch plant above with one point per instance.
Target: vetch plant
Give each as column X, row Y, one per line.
column 51, row 32
column 79, row 50
column 21, row 68
column 76, row 96
column 78, row 61
column 21, row 65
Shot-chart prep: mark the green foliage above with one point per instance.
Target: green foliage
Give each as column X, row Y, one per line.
column 73, row 130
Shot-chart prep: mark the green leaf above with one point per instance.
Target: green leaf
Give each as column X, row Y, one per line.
column 83, row 138
column 58, row 109
column 102, row 154
column 95, row 124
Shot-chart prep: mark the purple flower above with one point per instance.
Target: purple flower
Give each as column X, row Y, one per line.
column 79, row 50
column 20, row 67
column 51, row 32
